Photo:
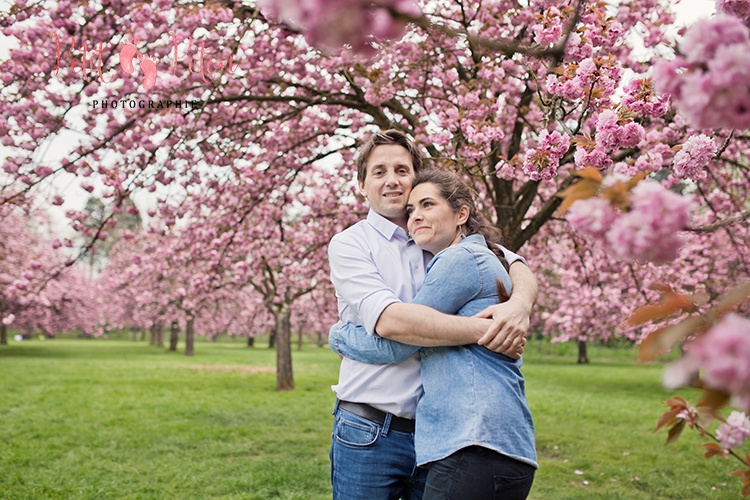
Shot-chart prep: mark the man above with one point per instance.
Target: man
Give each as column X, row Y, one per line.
column 377, row 269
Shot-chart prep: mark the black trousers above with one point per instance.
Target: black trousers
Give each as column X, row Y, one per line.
column 477, row 473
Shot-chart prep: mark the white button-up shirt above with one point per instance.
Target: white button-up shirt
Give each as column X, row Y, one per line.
column 374, row 264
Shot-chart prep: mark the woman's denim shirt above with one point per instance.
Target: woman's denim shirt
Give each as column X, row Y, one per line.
column 472, row 396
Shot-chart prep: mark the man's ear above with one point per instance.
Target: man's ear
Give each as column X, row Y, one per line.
column 463, row 215
column 361, row 186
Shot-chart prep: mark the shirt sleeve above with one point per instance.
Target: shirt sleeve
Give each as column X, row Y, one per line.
column 353, row 342
column 357, row 280
column 453, row 279
column 512, row 257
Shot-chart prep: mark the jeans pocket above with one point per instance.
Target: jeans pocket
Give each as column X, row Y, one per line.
column 514, row 487
column 355, row 433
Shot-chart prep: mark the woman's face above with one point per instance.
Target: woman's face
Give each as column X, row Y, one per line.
column 433, row 224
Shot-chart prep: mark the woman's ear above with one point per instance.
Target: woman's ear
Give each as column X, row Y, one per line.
column 463, row 215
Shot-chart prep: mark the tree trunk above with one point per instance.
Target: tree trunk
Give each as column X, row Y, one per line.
column 134, row 334
column 284, row 375
column 583, row 358
column 250, row 341
column 143, row 334
column 3, row 334
column 189, row 337
column 174, row 336
column 299, row 341
column 152, row 334
column 160, row 335
column 272, row 338
column 320, row 339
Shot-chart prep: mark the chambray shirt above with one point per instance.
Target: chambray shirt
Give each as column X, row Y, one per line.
column 472, row 396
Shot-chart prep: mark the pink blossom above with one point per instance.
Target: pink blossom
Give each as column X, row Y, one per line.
column 723, row 354
column 505, row 171
column 732, row 433
column 692, row 159
column 710, row 82
column 738, row 8
column 8, row 320
column 593, row 216
column 542, row 162
column 335, row 24
column 650, row 230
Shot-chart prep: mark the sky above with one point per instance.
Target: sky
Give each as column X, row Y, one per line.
column 688, row 11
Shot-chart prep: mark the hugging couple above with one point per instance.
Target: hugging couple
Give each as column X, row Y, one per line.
column 431, row 401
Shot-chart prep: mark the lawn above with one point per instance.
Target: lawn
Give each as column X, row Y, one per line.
column 121, row 419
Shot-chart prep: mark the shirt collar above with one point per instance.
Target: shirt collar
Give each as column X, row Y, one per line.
column 383, row 225
column 473, row 238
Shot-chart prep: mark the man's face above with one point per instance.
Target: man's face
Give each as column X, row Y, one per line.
column 390, row 175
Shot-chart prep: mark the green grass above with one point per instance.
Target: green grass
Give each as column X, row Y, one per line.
column 120, row 419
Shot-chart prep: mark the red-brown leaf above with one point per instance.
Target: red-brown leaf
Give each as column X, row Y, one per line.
column 675, row 431
column 663, row 339
column 670, row 303
column 712, row 449
column 714, row 400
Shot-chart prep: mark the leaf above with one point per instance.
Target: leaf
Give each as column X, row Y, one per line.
column 666, row 420
column 581, row 190
column 590, row 173
column 730, row 300
column 713, row 399
column 674, row 432
column 745, row 476
column 712, row 449
column 636, row 179
column 664, row 339
column 670, row 303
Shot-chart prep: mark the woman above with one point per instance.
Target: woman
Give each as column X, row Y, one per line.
column 473, row 426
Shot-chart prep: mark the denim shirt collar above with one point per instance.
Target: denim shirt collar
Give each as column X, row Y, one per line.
column 473, row 238
column 385, row 227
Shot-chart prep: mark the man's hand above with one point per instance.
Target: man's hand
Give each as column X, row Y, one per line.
column 507, row 334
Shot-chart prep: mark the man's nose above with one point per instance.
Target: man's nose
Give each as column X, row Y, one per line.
column 390, row 178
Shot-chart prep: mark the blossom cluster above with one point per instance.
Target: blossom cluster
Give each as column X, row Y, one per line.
column 640, row 97
column 738, row 8
column 721, row 354
column 733, row 433
column 334, row 24
column 612, row 132
column 647, row 231
column 710, row 80
column 690, row 161
column 542, row 162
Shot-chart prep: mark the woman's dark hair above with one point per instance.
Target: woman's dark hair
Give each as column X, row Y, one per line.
column 459, row 194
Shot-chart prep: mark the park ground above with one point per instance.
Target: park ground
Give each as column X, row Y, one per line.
column 113, row 418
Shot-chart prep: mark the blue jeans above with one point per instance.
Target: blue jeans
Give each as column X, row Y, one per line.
column 373, row 462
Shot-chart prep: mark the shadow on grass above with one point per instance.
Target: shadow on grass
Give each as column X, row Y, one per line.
column 53, row 350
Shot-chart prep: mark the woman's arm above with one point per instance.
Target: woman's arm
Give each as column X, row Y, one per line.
column 353, row 342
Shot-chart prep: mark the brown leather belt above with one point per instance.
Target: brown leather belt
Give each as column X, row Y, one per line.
column 376, row 416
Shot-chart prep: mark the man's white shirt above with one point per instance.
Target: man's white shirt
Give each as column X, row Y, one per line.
column 374, row 264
